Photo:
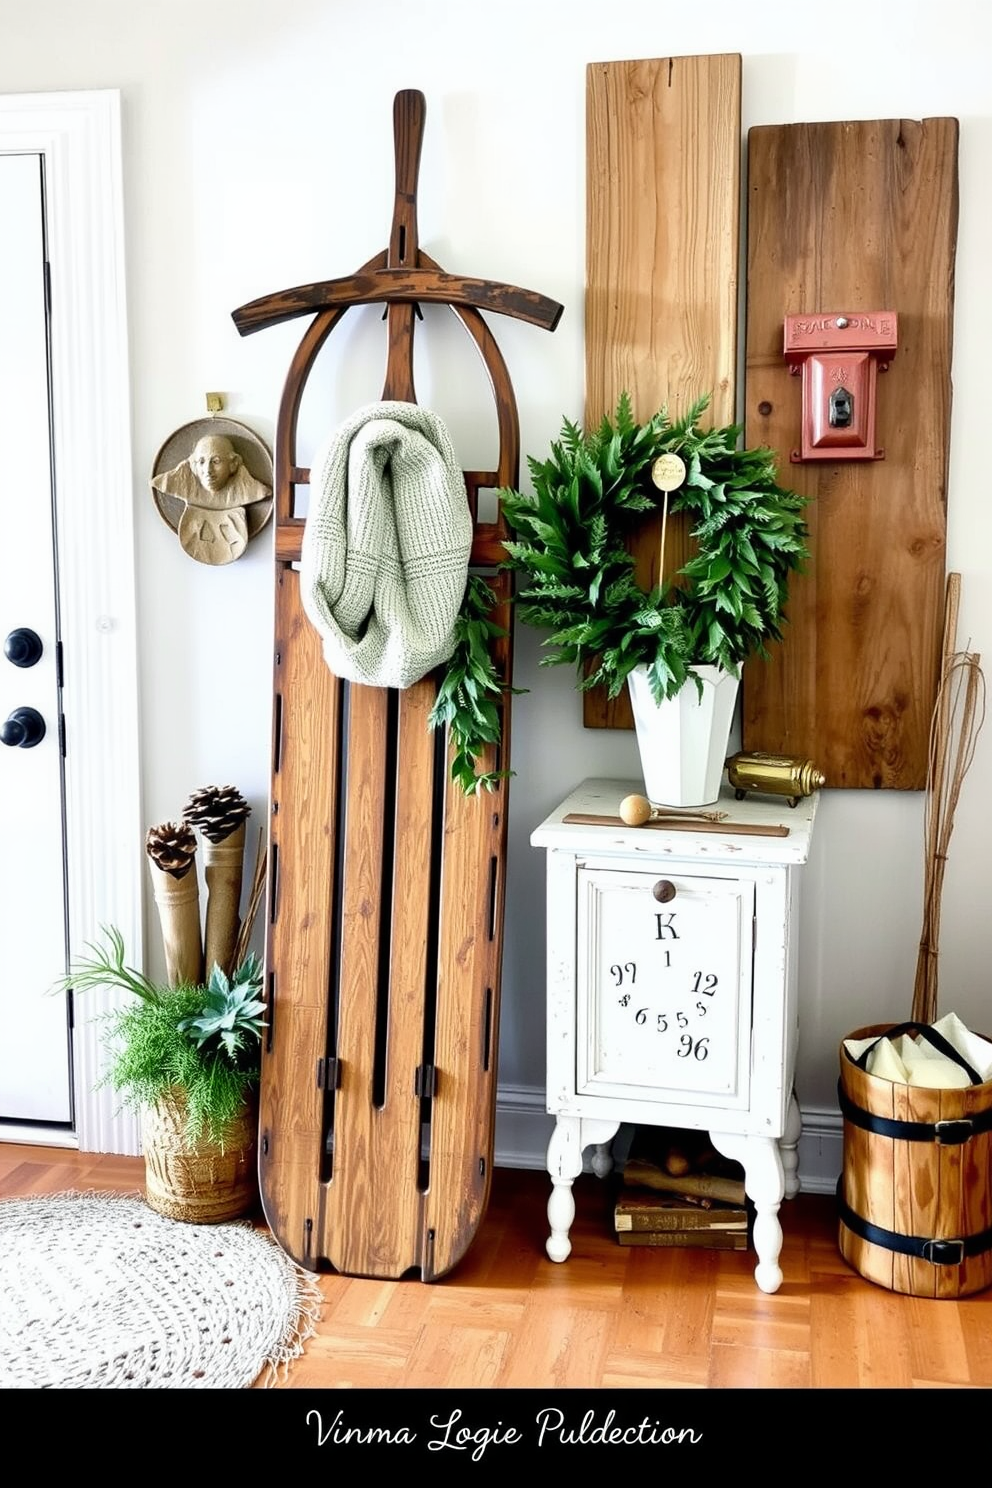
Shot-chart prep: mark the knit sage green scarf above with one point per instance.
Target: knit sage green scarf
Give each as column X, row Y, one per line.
column 386, row 545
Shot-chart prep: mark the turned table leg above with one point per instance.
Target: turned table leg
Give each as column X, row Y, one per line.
column 602, row 1159
column 764, row 1183
column 788, row 1146
column 570, row 1138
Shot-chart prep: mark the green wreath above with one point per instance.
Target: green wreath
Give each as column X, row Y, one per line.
column 571, row 545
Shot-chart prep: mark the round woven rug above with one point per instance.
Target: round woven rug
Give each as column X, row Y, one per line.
column 97, row 1291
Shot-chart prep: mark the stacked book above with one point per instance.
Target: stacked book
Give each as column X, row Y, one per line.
column 678, row 1192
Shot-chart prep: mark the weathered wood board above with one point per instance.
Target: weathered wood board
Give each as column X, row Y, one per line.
column 663, row 146
column 856, row 216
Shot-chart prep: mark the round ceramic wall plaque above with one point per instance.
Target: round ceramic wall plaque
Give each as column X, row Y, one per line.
column 212, row 484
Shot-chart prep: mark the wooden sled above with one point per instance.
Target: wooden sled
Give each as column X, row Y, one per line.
column 384, row 935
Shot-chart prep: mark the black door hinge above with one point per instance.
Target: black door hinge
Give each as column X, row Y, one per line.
column 425, row 1080
column 329, row 1073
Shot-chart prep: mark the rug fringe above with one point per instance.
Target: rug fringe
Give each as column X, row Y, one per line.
column 303, row 1294
column 79, row 1193
column 308, row 1300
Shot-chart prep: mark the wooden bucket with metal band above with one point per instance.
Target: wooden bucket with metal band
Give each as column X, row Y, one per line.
column 915, row 1194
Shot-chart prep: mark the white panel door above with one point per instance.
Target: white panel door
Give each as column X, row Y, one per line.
column 35, row 1046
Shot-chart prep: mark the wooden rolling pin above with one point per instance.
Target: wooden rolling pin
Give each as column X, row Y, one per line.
column 699, row 1185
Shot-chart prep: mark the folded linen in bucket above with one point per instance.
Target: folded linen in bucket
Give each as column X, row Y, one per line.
column 977, row 1050
column 907, row 1061
column 386, row 545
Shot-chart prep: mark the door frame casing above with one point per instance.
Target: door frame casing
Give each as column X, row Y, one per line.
column 79, row 136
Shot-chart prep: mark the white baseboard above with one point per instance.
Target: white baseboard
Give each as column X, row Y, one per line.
column 37, row 1136
column 523, row 1131
column 523, row 1127
column 821, row 1150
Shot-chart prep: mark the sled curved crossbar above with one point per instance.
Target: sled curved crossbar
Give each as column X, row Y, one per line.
column 385, row 888
column 388, row 286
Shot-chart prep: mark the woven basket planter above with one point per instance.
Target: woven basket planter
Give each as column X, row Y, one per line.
column 201, row 1182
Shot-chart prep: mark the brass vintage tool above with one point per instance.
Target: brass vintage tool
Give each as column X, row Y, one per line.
column 774, row 775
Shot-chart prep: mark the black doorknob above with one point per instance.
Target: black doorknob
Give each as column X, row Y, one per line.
column 23, row 729
column 23, row 647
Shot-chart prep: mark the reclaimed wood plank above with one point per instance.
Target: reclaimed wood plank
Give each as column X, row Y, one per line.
column 662, row 210
column 856, row 216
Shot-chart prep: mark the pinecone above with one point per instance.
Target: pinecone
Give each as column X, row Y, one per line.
column 217, row 810
column 172, row 847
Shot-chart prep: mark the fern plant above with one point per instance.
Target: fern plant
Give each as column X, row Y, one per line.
column 572, row 548
column 202, row 1040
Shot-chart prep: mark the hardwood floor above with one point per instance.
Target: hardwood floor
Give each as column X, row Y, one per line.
column 609, row 1317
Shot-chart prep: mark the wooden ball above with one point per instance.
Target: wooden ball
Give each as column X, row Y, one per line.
column 635, row 810
column 677, row 1163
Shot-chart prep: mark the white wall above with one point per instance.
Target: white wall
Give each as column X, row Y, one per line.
column 258, row 155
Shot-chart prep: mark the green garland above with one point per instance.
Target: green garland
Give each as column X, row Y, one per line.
column 571, row 545
column 465, row 700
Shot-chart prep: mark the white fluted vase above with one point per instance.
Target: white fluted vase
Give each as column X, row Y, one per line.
column 683, row 741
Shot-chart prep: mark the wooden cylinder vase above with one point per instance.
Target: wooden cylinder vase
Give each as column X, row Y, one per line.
column 178, row 902
column 223, row 869
column 915, row 1194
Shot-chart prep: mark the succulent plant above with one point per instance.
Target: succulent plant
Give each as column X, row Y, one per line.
column 231, row 1012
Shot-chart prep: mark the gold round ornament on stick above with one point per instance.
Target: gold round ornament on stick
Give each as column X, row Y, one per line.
column 667, row 474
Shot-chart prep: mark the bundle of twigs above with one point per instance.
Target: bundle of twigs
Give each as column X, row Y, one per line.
column 254, row 900
column 958, row 716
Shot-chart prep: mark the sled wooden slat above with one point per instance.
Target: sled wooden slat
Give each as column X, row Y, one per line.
column 349, row 1212
column 384, row 947
column 467, row 1010
column 302, row 828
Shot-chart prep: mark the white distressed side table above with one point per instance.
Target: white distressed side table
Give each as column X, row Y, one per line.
column 672, row 992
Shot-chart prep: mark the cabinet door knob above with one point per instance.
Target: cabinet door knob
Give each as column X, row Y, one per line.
column 664, row 890
column 23, row 729
column 23, row 647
